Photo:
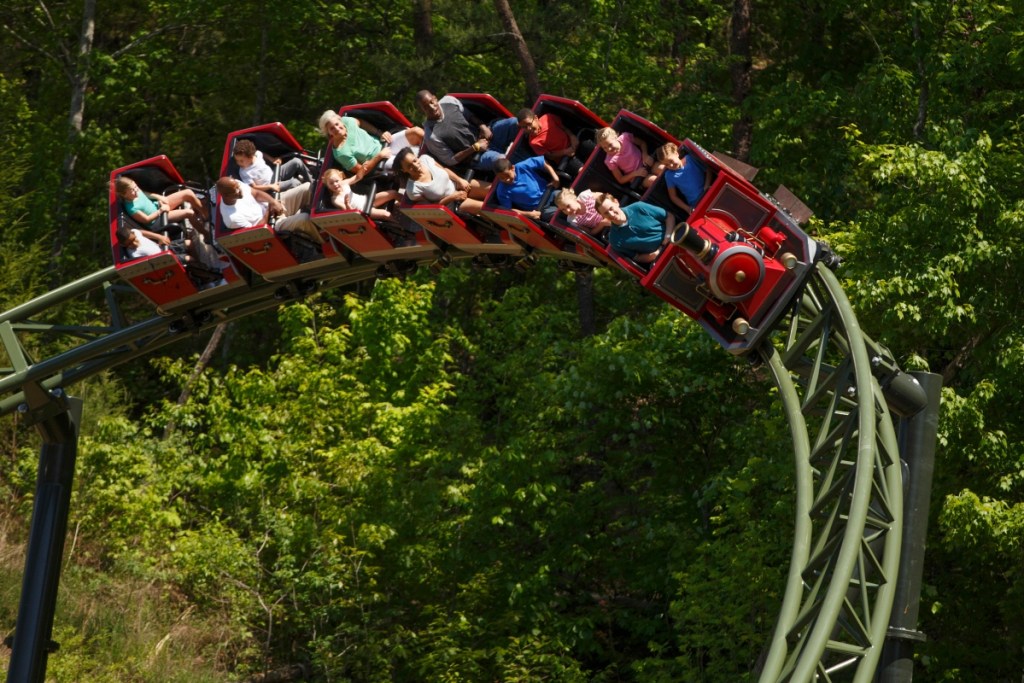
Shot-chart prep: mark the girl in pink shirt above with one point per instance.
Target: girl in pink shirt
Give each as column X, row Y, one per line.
column 580, row 210
column 626, row 156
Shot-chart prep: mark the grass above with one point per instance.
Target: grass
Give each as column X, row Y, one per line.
column 118, row 629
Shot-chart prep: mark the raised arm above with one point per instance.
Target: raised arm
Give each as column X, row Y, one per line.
column 374, row 130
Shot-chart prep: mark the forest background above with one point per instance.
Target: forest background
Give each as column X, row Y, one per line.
column 481, row 476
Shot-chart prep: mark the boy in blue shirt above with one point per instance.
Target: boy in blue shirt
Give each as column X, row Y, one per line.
column 521, row 188
column 686, row 178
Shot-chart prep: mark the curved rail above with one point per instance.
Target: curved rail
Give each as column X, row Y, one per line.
column 849, row 507
column 847, row 533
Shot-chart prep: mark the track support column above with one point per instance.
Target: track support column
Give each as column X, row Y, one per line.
column 917, row 450
column 57, row 418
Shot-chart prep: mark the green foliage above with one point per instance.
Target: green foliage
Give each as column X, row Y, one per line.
column 22, row 245
column 449, row 504
column 443, row 481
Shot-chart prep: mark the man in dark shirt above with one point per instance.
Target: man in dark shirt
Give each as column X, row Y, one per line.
column 455, row 137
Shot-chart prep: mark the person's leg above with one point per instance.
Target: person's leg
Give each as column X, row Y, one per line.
column 385, row 196
column 296, row 198
column 478, row 189
column 548, row 213
column 186, row 196
column 471, row 206
column 207, row 254
column 300, row 223
column 293, row 170
column 485, row 161
column 178, row 215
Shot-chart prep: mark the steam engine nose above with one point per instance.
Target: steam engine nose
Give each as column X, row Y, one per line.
column 736, row 272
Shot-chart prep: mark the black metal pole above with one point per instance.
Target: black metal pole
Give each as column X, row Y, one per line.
column 31, row 643
column 917, row 450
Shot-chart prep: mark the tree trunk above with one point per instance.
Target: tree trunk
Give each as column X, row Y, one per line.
column 423, row 28
column 585, row 301
column 522, row 51
column 922, row 93
column 78, row 75
column 739, row 69
column 204, row 360
column 261, row 87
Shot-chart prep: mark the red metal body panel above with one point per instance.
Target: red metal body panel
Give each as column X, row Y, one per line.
column 161, row 278
column 482, row 102
column 258, row 248
column 450, row 228
column 372, row 110
column 359, row 233
column 268, row 133
column 523, row 229
column 530, row 233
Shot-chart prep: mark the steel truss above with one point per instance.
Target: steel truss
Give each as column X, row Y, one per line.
column 833, row 383
column 849, row 497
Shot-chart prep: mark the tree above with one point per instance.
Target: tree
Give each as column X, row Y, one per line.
column 519, row 46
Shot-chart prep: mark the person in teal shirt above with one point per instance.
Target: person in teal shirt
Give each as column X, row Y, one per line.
column 359, row 147
column 638, row 230
column 145, row 208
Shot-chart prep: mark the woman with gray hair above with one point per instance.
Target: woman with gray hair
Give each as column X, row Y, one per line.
column 358, row 147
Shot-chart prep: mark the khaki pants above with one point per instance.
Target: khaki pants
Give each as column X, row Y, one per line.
column 295, row 219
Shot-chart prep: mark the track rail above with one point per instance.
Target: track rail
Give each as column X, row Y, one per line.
column 847, row 532
column 849, row 502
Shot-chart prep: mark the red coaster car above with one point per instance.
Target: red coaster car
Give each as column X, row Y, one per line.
column 275, row 254
column 178, row 277
column 457, row 228
column 538, row 234
column 582, row 123
column 390, row 240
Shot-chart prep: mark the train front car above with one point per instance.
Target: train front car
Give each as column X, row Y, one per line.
column 456, row 228
column 175, row 277
column 275, row 255
column 736, row 261
column 395, row 242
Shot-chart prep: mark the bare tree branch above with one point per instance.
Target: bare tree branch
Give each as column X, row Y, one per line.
column 141, row 39
column 62, row 65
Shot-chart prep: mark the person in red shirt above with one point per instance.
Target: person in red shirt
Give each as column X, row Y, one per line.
column 550, row 138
